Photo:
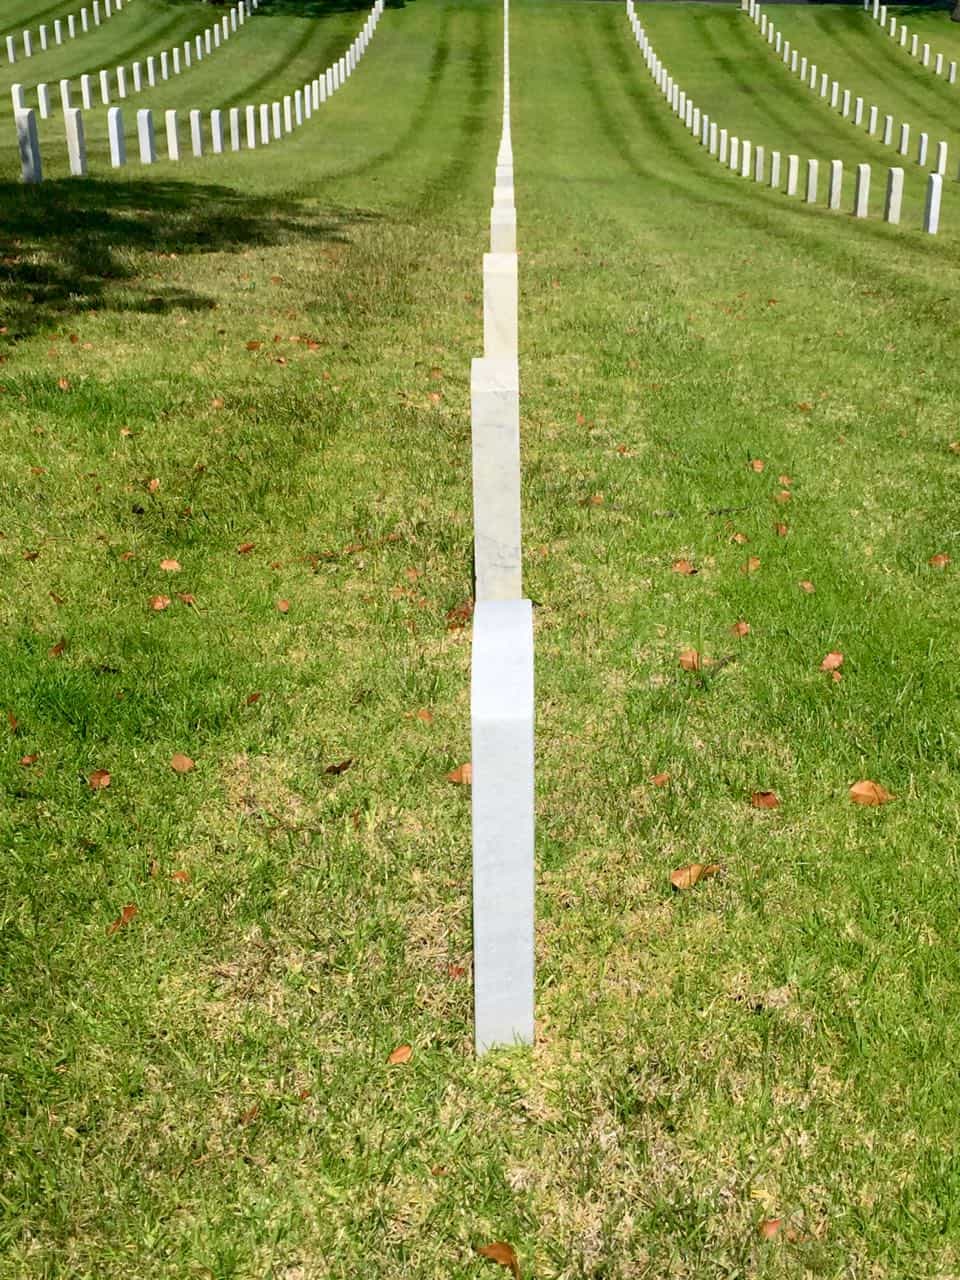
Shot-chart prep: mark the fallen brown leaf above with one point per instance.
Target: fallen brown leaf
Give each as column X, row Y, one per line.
column 757, row 464
column 245, row 548
column 126, row 915
column 783, row 496
column 807, row 586
column 462, row 775
column 337, row 769
column 159, row 603
column 27, row 761
column 253, row 345
column 186, row 597
column 832, row 662
column 426, row 715
column 684, row 567
column 781, row 530
column 283, row 606
column 253, row 697
column 181, row 877
column 660, row 779
column 869, row 793
column 181, row 763
column 770, row 1228
column 153, row 485
column 686, row 877
column 739, row 538
column 939, row 561
column 741, row 628
column 785, row 480
column 690, row 660
column 459, row 615
column 99, row 780
column 502, row 1253
column 751, row 566
column 765, row 800
column 170, row 566
column 403, row 1053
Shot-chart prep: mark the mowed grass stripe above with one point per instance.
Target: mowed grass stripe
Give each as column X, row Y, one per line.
column 27, row 16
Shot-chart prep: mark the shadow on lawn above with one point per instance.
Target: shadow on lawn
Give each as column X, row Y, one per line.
column 66, row 246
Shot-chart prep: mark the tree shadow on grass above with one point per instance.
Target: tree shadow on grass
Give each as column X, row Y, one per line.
column 78, row 245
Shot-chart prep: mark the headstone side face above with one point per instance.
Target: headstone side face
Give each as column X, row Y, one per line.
column 118, row 144
column 931, row 208
column 146, row 136
column 861, row 198
column 894, row 198
column 500, row 306
column 502, row 733
column 28, row 142
column 495, row 435
column 76, row 141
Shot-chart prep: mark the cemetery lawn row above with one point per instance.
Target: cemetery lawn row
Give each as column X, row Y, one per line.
column 235, row 469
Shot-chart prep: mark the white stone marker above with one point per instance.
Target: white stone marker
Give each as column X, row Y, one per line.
column 714, row 138
column 888, row 131
column 734, row 162
column 137, row 77
column 187, row 54
column 86, row 92
column 793, row 61
column 43, row 37
column 118, row 144
column 11, row 49
column 845, row 103
column 76, row 142
column 196, row 133
column 207, row 41
column 722, row 154
column 813, row 181
column 835, row 185
column 121, row 82
column 813, row 76
column 28, row 141
column 151, row 71
column 793, row 174
column 503, row 229
column 495, row 429
column 65, row 100
column 695, row 120
column 105, row 88
column 938, row 65
column 500, row 306
column 96, row 12
column 164, row 65
column 287, row 113
column 904, row 139
column 745, row 158
column 173, row 135
column 861, row 194
column 759, row 163
column 893, row 28
column 952, row 73
column 84, row 20
column 298, row 108
column 57, row 31
column 931, row 208
column 925, row 56
column 903, row 37
column 834, row 94
column 858, row 112
column 307, row 107
column 894, row 198
column 198, row 45
column 216, row 131
column 216, row 37
column 43, row 101
column 914, row 40
column 704, row 130
column 146, row 136
column 941, row 165
column 176, row 61
column 251, row 125
column 923, row 145
column 71, row 26
column 824, row 85
column 234, row 128
column 502, row 797
column 18, row 98
column 803, row 68
column 27, row 50
column 264, row 124
column 872, row 121
column 775, row 170
column 277, row 123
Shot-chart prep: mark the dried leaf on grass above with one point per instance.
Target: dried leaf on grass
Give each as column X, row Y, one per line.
column 126, row 915
column 403, row 1053
column 462, row 775
column 181, row 763
column 502, row 1253
column 660, row 779
column 939, row 561
column 684, row 567
column 869, row 793
column 765, row 800
column 690, row 875
column 741, row 628
column 99, row 780
column 832, row 662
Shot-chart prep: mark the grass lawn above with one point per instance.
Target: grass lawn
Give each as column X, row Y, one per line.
column 257, row 368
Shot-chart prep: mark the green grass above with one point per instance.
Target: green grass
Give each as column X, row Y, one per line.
column 205, row 1092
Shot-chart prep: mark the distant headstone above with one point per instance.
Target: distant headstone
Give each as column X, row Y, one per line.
column 931, row 208
column 894, row 197
column 28, row 142
column 146, row 137
column 76, row 142
column 118, row 143
column 173, row 135
column 500, row 306
column 861, row 195
column 835, row 186
column 793, row 174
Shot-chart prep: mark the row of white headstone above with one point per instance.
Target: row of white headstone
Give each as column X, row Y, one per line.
column 750, row 161
column 842, row 100
column 900, row 31
column 142, row 75
column 248, row 126
column 501, row 697
column 70, row 27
